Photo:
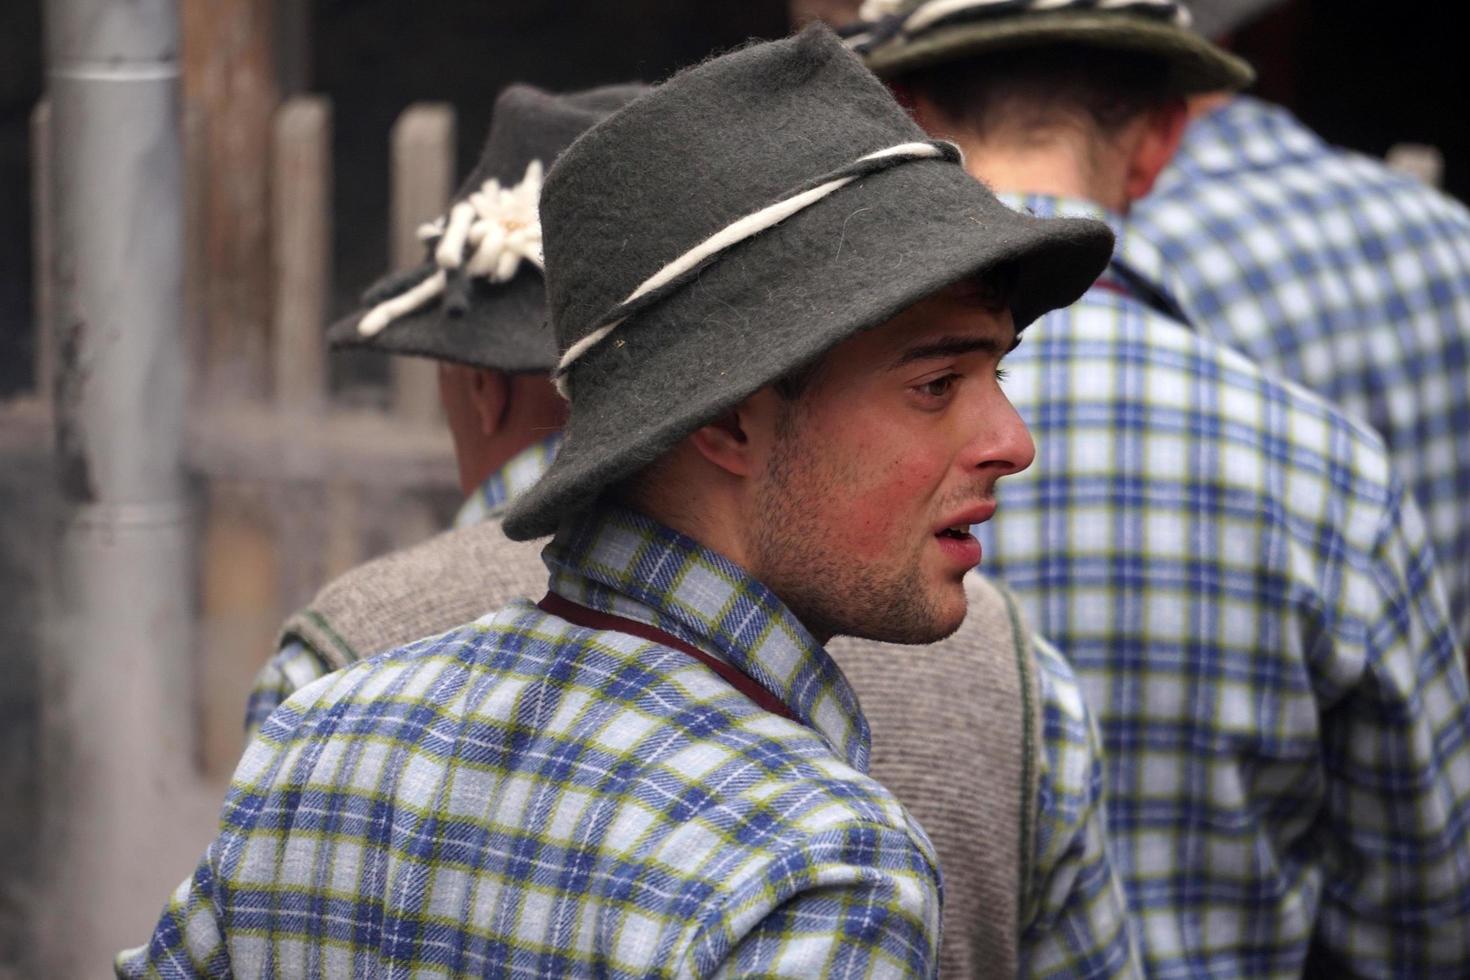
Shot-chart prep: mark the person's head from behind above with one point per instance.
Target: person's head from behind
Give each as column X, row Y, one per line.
column 492, row 415
column 1067, row 118
column 1062, row 97
column 791, row 357
column 477, row 304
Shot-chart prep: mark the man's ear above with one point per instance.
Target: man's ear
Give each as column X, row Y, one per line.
column 1158, row 141
column 490, row 397
column 725, row 443
column 741, row 441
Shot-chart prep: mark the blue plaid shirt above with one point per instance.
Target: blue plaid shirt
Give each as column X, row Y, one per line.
column 1335, row 271
column 1250, row 602
column 296, row 665
column 526, row 797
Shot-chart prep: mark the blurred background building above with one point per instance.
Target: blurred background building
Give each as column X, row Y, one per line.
column 316, row 134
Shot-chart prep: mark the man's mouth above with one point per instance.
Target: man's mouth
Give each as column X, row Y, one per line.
column 957, row 532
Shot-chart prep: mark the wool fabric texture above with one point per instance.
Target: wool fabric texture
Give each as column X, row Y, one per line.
column 1159, row 29
column 710, row 146
column 496, row 325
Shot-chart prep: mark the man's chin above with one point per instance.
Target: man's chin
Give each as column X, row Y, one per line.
column 917, row 624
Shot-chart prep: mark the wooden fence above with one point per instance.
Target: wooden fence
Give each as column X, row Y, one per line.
column 294, row 484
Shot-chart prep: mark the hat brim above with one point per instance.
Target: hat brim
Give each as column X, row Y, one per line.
column 1195, row 64
column 504, row 329
column 784, row 298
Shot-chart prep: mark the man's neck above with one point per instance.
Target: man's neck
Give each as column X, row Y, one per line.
column 1203, row 105
column 1059, row 167
column 490, row 457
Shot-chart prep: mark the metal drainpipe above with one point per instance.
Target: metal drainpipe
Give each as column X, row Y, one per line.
column 117, row 713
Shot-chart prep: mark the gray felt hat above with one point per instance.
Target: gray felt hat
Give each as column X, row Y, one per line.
column 900, row 36
column 482, row 300
column 744, row 218
column 1217, row 18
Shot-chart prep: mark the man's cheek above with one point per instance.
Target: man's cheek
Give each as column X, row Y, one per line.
column 881, row 517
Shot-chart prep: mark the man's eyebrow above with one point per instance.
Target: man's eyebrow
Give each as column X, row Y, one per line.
column 953, row 347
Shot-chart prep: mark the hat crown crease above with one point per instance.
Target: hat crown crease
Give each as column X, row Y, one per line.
column 742, row 229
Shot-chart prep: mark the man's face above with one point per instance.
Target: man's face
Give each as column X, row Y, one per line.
column 874, row 474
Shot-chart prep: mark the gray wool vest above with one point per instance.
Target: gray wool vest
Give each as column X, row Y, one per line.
column 956, row 726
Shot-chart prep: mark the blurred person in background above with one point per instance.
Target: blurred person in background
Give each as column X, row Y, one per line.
column 656, row 769
column 477, row 306
column 1246, row 591
column 1331, row 269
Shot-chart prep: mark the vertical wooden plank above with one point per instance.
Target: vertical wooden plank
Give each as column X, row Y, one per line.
column 230, row 82
column 423, row 182
column 230, row 76
column 301, row 237
column 301, row 250
column 42, row 257
column 343, row 547
column 239, row 586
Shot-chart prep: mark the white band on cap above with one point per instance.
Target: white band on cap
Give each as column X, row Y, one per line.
column 747, row 227
column 488, row 234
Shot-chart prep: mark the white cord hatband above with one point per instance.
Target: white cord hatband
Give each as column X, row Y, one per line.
column 747, row 227
column 488, row 235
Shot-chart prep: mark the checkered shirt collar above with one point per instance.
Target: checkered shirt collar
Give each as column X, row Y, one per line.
column 618, row 561
column 510, row 481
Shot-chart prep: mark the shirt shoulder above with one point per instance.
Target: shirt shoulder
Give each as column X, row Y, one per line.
column 627, row 763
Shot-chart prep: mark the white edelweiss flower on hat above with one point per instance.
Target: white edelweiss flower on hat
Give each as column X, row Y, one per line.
column 488, row 235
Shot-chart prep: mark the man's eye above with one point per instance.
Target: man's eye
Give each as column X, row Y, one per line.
column 1001, row 374
column 939, row 387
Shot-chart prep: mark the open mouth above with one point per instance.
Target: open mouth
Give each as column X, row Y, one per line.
column 956, row 532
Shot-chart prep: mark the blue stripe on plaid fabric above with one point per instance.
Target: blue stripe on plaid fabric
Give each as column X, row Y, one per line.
column 523, row 797
column 1335, row 271
column 1250, row 601
column 296, row 664
column 1078, row 925
column 510, row 481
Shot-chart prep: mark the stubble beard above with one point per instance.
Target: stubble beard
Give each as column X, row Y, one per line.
column 832, row 593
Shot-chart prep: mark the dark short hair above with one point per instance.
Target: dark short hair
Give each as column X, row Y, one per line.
column 1043, row 85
